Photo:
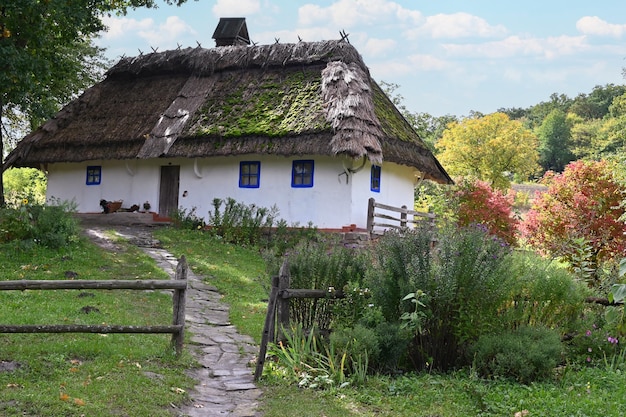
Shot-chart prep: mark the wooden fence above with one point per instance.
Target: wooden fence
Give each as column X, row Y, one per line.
column 277, row 317
column 381, row 217
column 177, row 328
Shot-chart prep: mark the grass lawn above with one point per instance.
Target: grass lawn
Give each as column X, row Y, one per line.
column 138, row 375
column 86, row 374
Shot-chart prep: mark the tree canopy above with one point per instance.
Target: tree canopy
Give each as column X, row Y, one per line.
column 489, row 148
column 554, row 141
column 47, row 55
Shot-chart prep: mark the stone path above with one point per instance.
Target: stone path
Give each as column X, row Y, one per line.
column 225, row 379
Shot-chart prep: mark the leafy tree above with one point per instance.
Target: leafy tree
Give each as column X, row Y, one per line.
column 554, row 142
column 430, row 128
column 479, row 204
column 44, row 45
column 25, row 183
column 597, row 138
column 580, row 212
column 538, row 112
column 596, row 104
column 514, row 113
column 490, row 148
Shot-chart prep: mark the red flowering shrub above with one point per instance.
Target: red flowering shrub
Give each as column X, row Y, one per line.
column 480, row 204
column 581, row 205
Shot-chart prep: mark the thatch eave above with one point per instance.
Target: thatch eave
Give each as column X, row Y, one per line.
column 309, row 98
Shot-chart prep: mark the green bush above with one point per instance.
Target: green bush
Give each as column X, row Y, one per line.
column 187, row 219
column 50, row 225
column 24, row 184
column 543, row 294
column 525, row 354
column 360, row 345
column 465, row 278
column 327, row 265
column 240, row 223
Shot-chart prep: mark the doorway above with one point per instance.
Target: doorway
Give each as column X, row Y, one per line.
column 168, row 190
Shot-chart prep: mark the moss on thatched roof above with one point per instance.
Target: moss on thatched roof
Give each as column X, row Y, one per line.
column 285, row 99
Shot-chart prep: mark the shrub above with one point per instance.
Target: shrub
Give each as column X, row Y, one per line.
column 24, row 183
column 325, row 264
column 478, row 203
column 50, row 225
column 359, row 344
column 240, row 223
column 543, row 293
column 188, row 219
column 525, row 354
column 465, row 279
column 582, row 205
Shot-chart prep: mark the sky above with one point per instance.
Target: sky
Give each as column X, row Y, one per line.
column 448, row 57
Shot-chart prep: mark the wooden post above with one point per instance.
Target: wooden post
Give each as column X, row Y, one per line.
column 179, row 300
column 284, row 280
column 403, row 217
column 370, row 215
column 268, row 329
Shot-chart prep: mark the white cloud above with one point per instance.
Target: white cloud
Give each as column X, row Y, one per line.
column 350, row 13
column 120, row 27
column 518, row 46
column 512, row 74
column 166, row 33
column 238, row 8
column 378, row 47
column 593, row 25
column 162, row 35
column 456, row 25
column 427, row 63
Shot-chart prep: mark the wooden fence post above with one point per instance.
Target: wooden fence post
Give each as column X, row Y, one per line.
column 370, row 215
column 403, row 217
column 284, row 280
column 179, row 300
column 268, row 329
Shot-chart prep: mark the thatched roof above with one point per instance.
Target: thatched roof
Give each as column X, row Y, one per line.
column 284, row 99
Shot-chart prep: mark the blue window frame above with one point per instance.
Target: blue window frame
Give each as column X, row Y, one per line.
column 375, row 178
column 249, row 174
column 302, row 174
column 94, row 175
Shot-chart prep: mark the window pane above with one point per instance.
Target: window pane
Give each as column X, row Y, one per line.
column 375, row 178
column 249, row 174
column 302, row 174
column 93, row 175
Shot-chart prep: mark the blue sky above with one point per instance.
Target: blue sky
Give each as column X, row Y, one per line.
column 447, row 56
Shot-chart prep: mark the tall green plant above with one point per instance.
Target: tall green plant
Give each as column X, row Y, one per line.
column 328, row 265
column 240, row 223
column 466, row 280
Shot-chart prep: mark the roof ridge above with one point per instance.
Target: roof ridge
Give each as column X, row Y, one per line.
column 202, row 61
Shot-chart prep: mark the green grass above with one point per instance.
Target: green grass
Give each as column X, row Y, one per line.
column 87, row 374
column 138, row 375
column 238, row 273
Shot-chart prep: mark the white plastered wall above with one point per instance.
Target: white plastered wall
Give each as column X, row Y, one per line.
column 397, row 185
column 330, row 203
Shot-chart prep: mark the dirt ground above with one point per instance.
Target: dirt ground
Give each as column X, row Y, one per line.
column 135, row 227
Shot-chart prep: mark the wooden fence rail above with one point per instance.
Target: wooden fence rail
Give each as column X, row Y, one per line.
column 394, row 217
column 277, row 317
column 178, row 284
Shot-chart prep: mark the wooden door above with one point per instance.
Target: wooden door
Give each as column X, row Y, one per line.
column 168, row 190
